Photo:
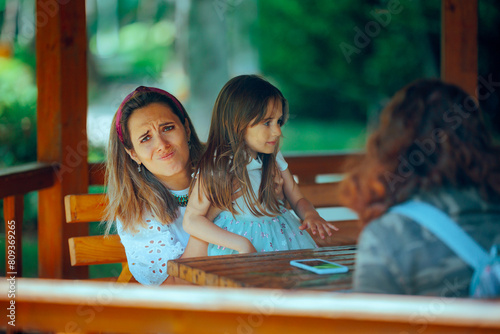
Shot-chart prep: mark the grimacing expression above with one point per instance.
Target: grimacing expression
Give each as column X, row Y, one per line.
column 264, row 136
column 160, row 142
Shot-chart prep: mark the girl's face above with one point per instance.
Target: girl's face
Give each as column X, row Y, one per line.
column 160, row 143
column 264, row 136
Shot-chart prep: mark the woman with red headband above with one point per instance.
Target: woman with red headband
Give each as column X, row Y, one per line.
column 152, row 150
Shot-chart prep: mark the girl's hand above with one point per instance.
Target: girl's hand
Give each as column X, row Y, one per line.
column 317, row 225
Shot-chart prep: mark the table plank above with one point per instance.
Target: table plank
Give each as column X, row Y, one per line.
column 267, row 270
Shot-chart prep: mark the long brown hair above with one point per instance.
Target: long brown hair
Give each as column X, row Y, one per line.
column 241, row 103
column 431, row 135
column 131, row 193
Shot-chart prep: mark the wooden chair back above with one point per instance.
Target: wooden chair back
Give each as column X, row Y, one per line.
column 96, row 249
column 324, row 195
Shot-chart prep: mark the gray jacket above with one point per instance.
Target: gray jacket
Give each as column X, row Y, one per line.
column 398, row 256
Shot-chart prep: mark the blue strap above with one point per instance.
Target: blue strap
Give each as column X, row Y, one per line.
column 445, row 229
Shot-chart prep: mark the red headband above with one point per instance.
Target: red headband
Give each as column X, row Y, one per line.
column 142, row 89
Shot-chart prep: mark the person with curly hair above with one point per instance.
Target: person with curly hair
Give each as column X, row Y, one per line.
column 432, row 146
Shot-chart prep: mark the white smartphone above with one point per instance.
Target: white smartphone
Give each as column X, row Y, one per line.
column 319, row 266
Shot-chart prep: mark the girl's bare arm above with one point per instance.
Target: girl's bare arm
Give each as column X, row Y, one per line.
column 198, row 225
column 303, row 208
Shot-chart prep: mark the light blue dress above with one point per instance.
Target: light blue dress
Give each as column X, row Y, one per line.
column 266, row 233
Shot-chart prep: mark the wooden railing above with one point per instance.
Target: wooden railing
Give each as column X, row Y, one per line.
column 15, row 182
column 306, row 166
column 63, row 306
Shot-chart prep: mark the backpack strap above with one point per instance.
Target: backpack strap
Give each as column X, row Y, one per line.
column 445, row 229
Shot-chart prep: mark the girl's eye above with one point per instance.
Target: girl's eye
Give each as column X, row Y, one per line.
column 266, row 123
column 145, row 139
column 280, row 122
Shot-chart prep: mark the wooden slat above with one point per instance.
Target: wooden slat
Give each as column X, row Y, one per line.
column 25, row 178
column 89, row 250
column 61, row 305
column 322, row 195
column 459, row 54
column 96, row 249
column 307, row 166
column 13, row 209
column 61, row 51
column 85, row 208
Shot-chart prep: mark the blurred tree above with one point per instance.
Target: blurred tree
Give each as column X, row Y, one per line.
column 341, row 59
column 17, row 113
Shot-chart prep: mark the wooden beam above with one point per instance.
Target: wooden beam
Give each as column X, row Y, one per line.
column 13, row 209
column 19, row 180
column 96, row 249
column 61, row 124
column 77, row 307
column 307, row 167
column 459, row 59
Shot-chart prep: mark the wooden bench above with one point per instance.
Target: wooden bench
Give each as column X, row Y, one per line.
column 308, row 170
column 97, row 249
column 89, row 306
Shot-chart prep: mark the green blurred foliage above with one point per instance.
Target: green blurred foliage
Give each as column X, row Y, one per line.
column 18, row 130
column 343, row 59
column 307, row 135
column 143, row 50
column 300, row 47
column 17, row 112
column 141, row 45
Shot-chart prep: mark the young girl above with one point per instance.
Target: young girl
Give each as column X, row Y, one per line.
column 236, row 174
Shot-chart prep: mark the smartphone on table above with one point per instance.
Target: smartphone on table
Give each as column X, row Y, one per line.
column 319, row 266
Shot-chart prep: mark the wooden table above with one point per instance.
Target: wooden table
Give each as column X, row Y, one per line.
column 267, row 270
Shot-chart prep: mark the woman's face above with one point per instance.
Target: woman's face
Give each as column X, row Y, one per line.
column 160, row 143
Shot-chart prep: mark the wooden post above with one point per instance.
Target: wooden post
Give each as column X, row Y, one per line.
column 13, row 209
column 459, row 43
column 61, row 44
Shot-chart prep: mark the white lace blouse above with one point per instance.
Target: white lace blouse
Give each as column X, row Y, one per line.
column 149, row 249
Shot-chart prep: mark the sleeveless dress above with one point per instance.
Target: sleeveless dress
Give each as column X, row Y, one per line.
column 149, row 249
column 266, row 233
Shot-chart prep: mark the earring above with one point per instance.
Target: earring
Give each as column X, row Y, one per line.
column 139, row 168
